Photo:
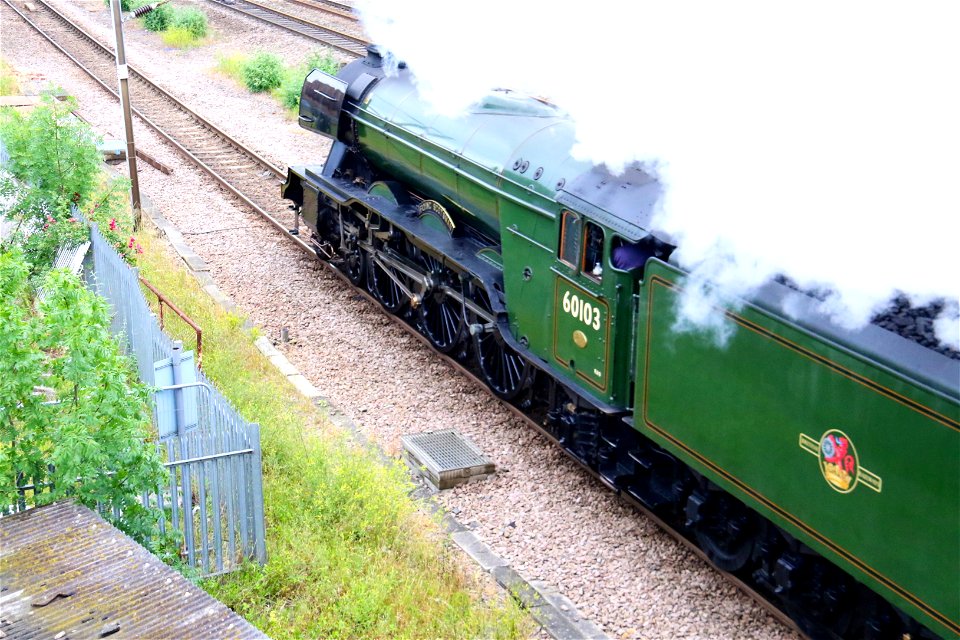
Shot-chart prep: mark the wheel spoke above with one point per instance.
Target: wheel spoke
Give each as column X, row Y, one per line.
column 507, row 372
column 440, row 322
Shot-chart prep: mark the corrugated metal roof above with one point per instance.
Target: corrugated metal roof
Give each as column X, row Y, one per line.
column 67, row 573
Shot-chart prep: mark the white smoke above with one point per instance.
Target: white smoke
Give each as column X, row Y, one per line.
column 818, row 139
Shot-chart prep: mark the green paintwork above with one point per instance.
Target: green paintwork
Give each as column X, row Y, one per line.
column 739, row 414
column 382, row 190
column 576, row 310
column 467, row 164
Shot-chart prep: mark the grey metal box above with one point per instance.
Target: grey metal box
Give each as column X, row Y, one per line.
column 445, row 458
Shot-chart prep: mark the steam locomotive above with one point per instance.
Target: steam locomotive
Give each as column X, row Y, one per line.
column 819, row 465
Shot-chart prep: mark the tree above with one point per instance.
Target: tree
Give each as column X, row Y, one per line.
column 85, row 432
column 74, row 418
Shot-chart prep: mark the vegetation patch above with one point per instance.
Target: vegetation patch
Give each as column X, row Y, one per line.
column 191, row 19
column 232, row 65
column 179, row 38
column 289, row 90
column 179, row 27
column 263, row 72
column 350, row 556
column 74, row 417
column 266, row 72
column 159, row 19
column 9, row 82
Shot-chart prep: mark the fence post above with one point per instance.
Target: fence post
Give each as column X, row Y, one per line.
column 179, row 412
column 22, row 494
column 186, row 472
column 257, row 486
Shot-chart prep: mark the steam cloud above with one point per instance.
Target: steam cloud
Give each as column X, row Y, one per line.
column 820, row 139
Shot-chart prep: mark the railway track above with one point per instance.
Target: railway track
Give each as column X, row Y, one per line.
column 330, row 7
column 255, row 181
column 239, row 169
column 339, row 40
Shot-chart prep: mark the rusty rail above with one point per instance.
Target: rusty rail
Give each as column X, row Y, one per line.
column 163, row 300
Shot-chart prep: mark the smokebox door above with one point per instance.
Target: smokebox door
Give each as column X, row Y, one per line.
column 320, row 103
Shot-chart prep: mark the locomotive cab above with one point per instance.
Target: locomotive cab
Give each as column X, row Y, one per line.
column 602, row 245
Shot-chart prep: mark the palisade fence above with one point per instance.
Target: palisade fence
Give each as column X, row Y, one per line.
column 214, row 494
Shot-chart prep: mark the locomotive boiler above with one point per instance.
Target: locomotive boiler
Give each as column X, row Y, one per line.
column 820, row 465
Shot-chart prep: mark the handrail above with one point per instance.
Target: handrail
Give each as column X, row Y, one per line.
column 161, row 300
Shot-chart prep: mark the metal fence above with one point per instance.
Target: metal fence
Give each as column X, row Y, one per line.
column 214, row 492
column 214, row 495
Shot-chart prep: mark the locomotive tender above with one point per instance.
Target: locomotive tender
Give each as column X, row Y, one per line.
column 822, row 466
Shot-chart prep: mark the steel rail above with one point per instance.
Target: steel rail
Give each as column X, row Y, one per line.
column 239, row 149
column 407, row 326
column 328, row 6
column 344, row 42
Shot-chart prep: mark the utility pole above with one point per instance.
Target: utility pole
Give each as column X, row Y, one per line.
column 122, row 74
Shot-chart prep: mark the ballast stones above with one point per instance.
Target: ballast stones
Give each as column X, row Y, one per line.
column 445, row 458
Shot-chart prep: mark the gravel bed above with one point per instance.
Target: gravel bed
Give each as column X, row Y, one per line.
column 540, row 511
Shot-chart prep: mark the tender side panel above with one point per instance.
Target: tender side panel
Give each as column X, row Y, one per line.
column 754, row 416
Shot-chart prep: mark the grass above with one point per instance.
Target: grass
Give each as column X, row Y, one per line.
column 9, row 83
column 350, row 554
column 232, row 65
column 179, row 38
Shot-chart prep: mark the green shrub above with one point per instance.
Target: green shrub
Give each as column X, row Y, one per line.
column 289, row 91
column 192, row 19
column 159, row 19
column 263, row 72
column 322, row 60
column 54, row 153
column 101, row 420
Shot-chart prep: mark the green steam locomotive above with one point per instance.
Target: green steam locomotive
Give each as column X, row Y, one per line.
column 820, row 465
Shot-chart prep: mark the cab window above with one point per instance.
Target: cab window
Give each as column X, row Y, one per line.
column 570, row 238
column 592, row 265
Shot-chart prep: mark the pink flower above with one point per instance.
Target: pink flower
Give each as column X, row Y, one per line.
column 72, row 220
column 139, row 248
column 46, row 226
column 113, row 224
column 131, row 242
column 50, row 220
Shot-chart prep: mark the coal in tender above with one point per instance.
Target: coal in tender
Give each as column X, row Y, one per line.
column 915, row 323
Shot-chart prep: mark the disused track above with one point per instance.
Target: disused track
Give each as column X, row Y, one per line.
column 345, row 42
column 256, row 182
